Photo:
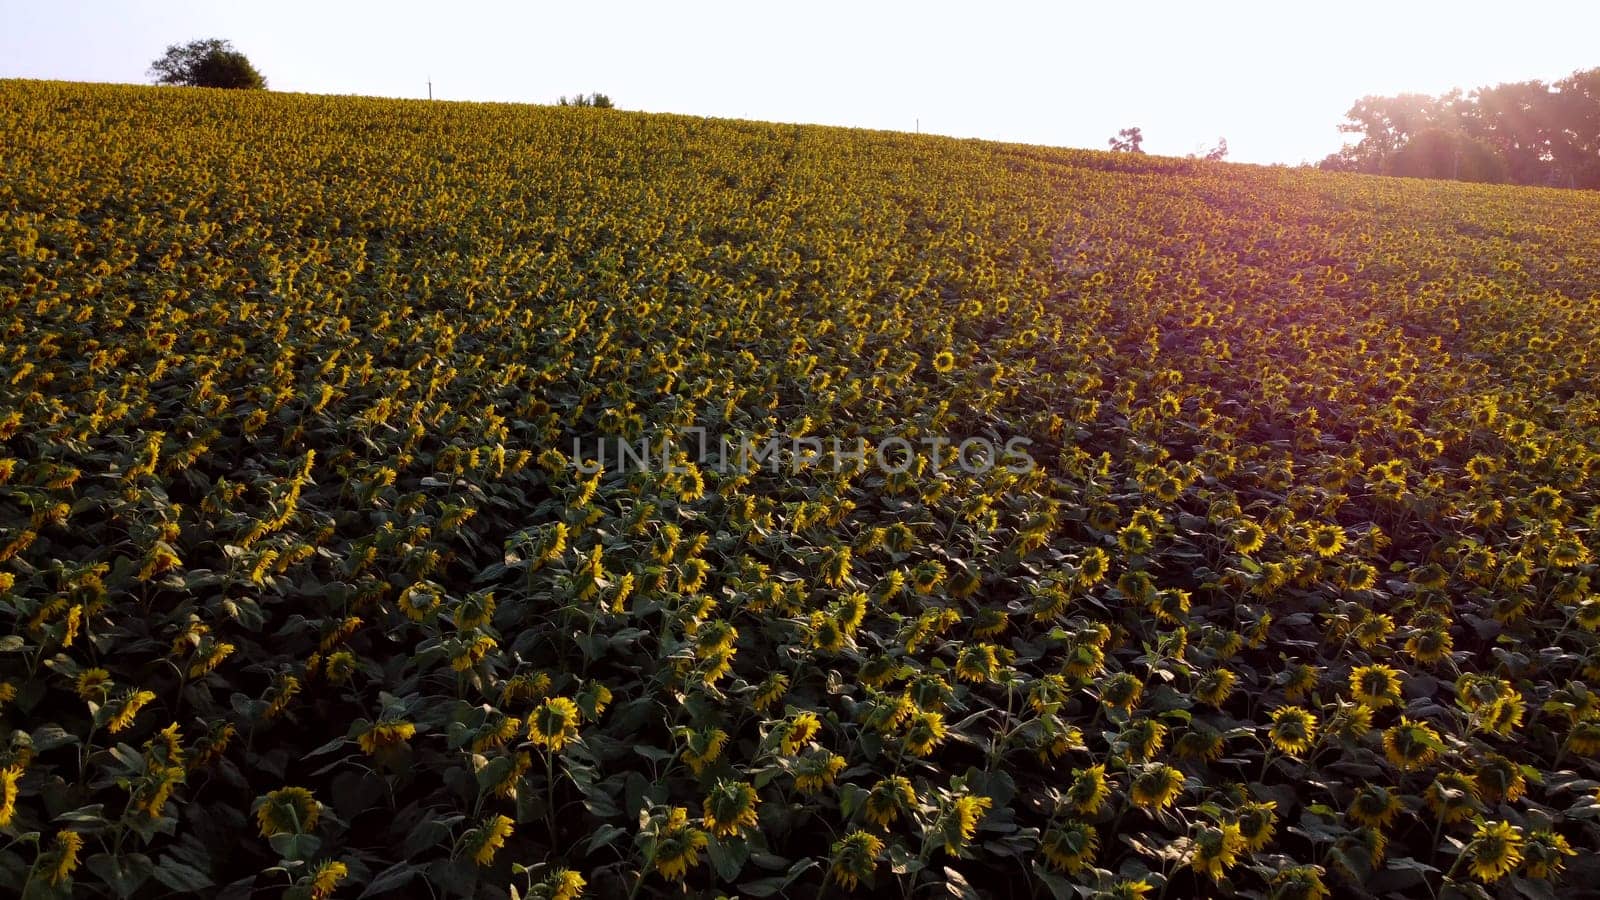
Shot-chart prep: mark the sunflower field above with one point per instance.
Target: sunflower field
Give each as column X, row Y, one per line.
column 315, row 582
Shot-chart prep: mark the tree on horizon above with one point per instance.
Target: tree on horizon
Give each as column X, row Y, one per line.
column 210, row 62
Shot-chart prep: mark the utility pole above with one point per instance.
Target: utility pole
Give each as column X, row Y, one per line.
column 919, row 125
column 430, row 87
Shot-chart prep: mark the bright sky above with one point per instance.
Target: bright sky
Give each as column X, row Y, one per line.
column 1274, row 78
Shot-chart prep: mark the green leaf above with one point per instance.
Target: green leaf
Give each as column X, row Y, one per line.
column 392, row 878
column 123, row 874
column 299, row 847
column 728, row 858
column 766, row 887
column 181, row 876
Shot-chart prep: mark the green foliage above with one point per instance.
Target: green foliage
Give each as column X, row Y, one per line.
column 595, row 100
column 1128, row 140
column 306, row 590
column 209, row 63
column 1523, row 132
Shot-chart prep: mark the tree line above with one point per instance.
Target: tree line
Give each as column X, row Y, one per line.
column 214, row 63
column 1526, row 132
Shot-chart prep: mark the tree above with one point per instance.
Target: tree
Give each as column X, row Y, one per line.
column 1219, row 152
column 1575, row 153
column 1128, row 140
column 1442, row 153
column 1387, row 124
column 596, row 100
column 206, row 63
column 1525, row 132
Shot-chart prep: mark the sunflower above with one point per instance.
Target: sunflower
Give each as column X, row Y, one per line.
column 288, row 810
column 339, row 667
column 977, row 663
column 927, row 576
column 944, row 361
column 1375, row 686
column 92, row 685
column 1502, row 717
column 817, row 770
column 1052, row 741
column 1248, row 537
column 325, row 879
column 1584, row 738
column 1362, row 843
column 885, row 714
column 1298, row 883
column 1199, row 744
column 1070, row 848
column 554, row 723
column 1359, row 576
column 1135, row 540
column 1121, row 691
column 1542, row 854
column 926, row 731
column 67, row 845
column 1216, row 848
column 675, row 844
column 1293, row 730
column 1453, row 797
column 1495, row 849
column 384, row 734
column 1411, row 745
column 9, row 776
column 1156, row 787
column 1214, row 687
column 1373, row 630
column 1138, row 586
column 959, row 821
column 1143, row 739
column 1093, row 568
column 1430, row 646
column 702, row 747
column 1257, row 823
column 888, row 799
column 1374, row 805
column 1499, row 779
column 421, row 600
column 1082, row 659
column 1350, row 721
column 854, row 858
column 730, row 808
column 525, row 686
column 487, row 839
column 800, row 730
column 990, row 623
column 1327, row 540
column 469, row 652
column 1125, row 889
column 1089, row 790
column 1299, row 680
column 127, row 708
column 1432, row 577
column 1170, row 605
column 929, row 691
column 564, row 884
column 770, row 691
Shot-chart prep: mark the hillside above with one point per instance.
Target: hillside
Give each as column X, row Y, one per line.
column 1286, row 587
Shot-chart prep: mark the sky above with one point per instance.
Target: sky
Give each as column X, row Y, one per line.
column 1274, row 79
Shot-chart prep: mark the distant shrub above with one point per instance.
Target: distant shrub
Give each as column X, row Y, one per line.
column 596, row 100
column 206, row 63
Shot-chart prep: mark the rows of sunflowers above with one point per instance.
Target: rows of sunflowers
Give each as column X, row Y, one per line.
column 309, row 588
